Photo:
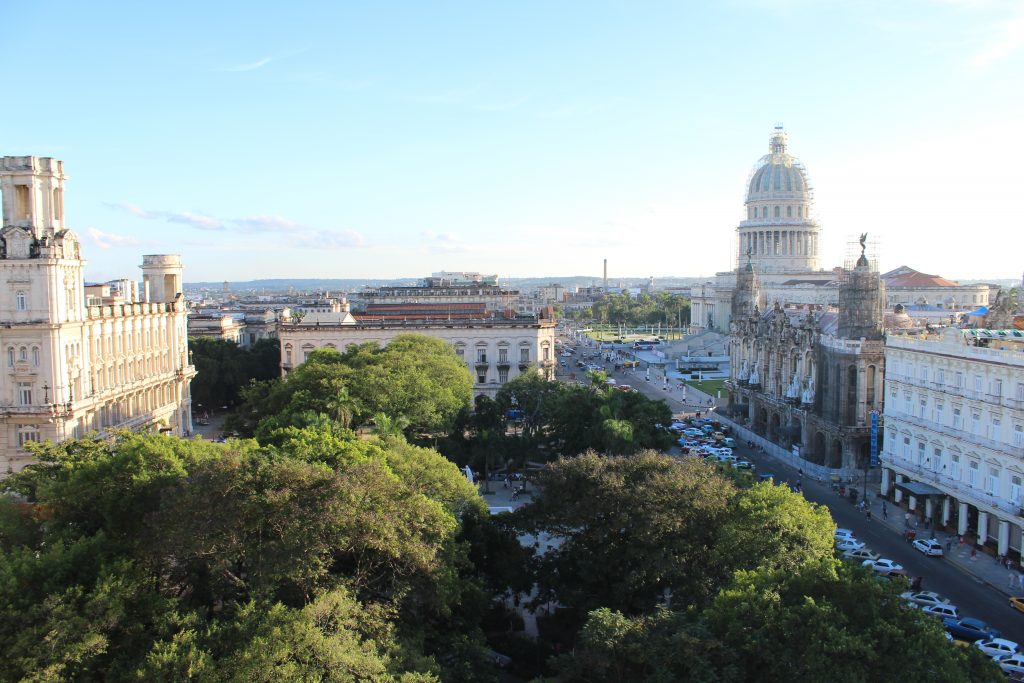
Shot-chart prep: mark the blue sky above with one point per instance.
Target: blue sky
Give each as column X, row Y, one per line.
column 310, row 139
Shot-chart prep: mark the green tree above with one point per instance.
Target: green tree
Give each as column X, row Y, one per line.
column 634, row 529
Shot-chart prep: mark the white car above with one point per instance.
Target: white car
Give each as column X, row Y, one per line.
column 843, row 545
column 942, row 610
column 997, row 647
column 1011, row 664
column 924, row 598
column 930, row 547
column 861, row 553
column 843, row 533
column 883, row 566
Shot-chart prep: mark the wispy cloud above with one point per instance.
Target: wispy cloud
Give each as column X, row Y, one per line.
column 1002, row 40
column 106, row 240
column 251, row 66
column 444, row 243
column 194, row 218
column 297, row 233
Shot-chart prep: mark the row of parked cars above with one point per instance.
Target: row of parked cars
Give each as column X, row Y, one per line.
column 963, row 630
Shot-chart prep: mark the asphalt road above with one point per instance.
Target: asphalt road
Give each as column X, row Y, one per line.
column 973, row 597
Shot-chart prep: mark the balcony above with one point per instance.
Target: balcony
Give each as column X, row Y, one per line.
column 958, row 432
column 954, row 487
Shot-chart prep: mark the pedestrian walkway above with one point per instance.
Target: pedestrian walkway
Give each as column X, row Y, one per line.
column 979, row 565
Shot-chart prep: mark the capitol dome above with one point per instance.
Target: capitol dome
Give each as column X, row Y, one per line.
column 779, row 234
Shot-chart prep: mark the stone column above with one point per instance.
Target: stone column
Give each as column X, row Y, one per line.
column 982, row 527
column 912, row 503
column 1004, row 537
column 961, row 526
column 884, row 487
column 897, row 495
column 929, row 508
column 946, row 510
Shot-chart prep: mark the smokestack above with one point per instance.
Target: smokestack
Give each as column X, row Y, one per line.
column 606, row 275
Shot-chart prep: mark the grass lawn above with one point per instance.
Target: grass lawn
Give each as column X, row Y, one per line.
column 709, row 387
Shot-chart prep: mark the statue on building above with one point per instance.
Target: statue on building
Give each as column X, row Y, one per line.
column 808, row 396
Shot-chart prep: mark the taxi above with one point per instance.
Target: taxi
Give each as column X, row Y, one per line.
column 1017, row 604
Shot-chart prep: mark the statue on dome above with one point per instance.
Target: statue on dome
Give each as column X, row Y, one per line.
column 808, row 396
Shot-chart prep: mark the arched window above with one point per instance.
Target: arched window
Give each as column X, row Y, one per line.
column 764, row 212
column 777, row 212
column 21, row 301
column 288, row 354
column 789, row 212
column 35, row 356
column 23, row 354
column 10, row 356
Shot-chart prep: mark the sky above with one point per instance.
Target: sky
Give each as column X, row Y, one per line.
column 527, row 139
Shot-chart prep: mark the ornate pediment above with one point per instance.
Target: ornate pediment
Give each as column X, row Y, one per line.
column 17, row 242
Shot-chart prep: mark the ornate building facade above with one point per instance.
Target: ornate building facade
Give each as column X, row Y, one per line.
column 72, row 368
column 808, row 379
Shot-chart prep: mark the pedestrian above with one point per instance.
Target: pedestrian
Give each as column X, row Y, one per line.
column 869, row 514
column 906, row 520
column 949, row 545
column 885, row 511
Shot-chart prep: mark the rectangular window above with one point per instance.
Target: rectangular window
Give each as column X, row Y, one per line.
column 939, row 416
column 21, row 203
column 954, row 467
column 920, row 453
column 524, row 355
column 481, row 378
column 460, row 352
column 972, row 473
column 502, row 355
column 937, row 459
column 1018, row 436
column 906, row 448
column 997, row 388
column 922, row 406
column 978, row 383
column 994, row 428
column 941, row 379
column 959, row 380
column 27, row 433
column 992, row 485
column 1020, row 391
column 976, row 424
column 502, row 375
column 958, row 418
column 1015, row 490
column 24, row 393
column 907, row 404
column 547, row 353
column 481, row 356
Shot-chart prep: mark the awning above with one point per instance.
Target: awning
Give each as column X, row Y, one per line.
column 918, row 489
column 979, row 312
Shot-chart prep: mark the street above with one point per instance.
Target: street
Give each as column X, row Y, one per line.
column 973, row 597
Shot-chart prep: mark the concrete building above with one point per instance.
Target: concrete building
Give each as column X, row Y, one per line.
column 495, row 350
column 73, row 366
column 808, row 379
column 782, row 239
column 954, row 431
column 216, row 326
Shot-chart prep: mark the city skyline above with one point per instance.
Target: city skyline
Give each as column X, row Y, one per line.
column 354, row 142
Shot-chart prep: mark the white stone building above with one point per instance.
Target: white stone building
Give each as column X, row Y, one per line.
column 71, row 368
column 496, row 350
column 954, row 432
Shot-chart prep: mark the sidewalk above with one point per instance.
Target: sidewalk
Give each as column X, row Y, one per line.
column 983, row 567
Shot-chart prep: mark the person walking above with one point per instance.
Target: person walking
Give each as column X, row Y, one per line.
column 885, row 511
column 869, row 514
column 906, row 520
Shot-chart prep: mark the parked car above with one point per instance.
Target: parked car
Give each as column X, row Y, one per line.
column 924, row 598
column 944, row 610
column 969, row 629
column 997, row 647
column 845, row 544
column 861, row 554
column 843, row 533
column 729, row 442
column 883, row 566
column 929, row 546
column 743, row 465
column 1011, row 664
